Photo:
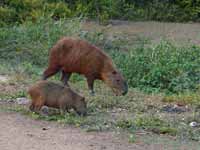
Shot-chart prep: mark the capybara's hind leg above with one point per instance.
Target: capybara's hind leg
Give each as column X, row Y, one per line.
column 49, row 72
column 65, row 77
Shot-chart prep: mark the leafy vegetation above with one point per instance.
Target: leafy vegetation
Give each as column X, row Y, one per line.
column 18, row 11
column 164, row 67
column 160, row 68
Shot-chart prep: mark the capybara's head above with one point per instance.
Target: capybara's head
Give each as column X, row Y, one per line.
column 80, row 106
column 116, row 82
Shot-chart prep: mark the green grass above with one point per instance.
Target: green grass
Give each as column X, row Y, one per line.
column 184, row 98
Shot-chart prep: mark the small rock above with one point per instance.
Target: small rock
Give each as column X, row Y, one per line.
column 45, row 111
column 3, row 78
column 193, row 124
column 22, row 101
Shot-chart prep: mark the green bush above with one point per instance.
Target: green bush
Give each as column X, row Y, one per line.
column 162, row 68
column 58, row 10
column 33, row 10
column 21, row 10
column 7, row 16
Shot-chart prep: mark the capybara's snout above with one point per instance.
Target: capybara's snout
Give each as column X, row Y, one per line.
column 81, row 107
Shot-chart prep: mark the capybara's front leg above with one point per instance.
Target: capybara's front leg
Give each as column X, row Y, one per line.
column 31, row 107
column 35, row 108
column 36, row 104
column 49, row 72
column 65, row 78
column 90, row 82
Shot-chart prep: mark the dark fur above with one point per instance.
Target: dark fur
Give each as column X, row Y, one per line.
column 50, row 94
column 78, row 56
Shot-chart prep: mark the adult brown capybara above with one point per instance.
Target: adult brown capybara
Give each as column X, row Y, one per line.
column 50, row 94
column 78, row 56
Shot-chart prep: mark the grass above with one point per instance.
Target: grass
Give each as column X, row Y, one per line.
column 161, row 70
column 186, row 98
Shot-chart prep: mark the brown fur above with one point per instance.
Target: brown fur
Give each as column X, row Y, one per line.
column 45, row 93
column 78, row 56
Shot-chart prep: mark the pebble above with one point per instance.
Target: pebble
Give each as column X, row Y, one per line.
column 193, row 124
column 22, row 101
column 3, row 78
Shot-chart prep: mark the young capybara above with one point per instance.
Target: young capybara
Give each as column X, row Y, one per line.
column 50, row 94
column 78, row 56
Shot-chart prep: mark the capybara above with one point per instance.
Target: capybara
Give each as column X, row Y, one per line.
column 78, row 56
column 51, row 94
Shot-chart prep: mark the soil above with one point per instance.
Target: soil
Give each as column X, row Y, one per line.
column 22, row 133
column 180, row 33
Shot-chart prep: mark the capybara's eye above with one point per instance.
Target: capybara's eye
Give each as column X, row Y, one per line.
column 118, row 80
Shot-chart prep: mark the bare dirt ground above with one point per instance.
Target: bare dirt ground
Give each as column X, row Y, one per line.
column 154, row 31
column 21, row 133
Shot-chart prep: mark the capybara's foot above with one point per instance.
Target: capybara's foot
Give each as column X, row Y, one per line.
column 31, row 107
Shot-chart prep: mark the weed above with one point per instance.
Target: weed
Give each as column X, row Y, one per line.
column 132, row 138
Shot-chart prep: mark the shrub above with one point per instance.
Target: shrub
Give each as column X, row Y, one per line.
column 162, row 68
column 7, row 16
column 58, row 10
column 168, row 10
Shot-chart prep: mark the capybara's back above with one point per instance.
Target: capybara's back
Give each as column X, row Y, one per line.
column 43, row 92
column 55, row 95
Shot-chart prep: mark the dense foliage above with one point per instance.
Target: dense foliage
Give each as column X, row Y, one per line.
column 163, row 10
column 163, row 67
